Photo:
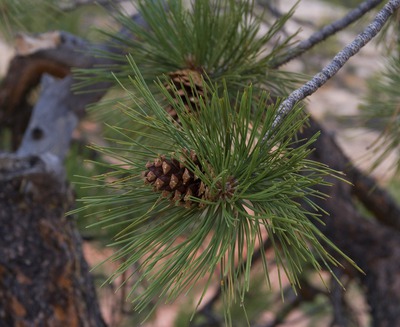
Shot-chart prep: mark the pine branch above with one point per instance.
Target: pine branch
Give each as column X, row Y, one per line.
column 326, row 32
column 220, row 43
column 337, row 62
column 227, row 162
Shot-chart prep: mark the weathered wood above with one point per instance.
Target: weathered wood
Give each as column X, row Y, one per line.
column 23, row 75
column 52, row 122
column 53, row 54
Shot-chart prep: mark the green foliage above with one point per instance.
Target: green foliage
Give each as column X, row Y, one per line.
column 22, row 15
column 42, row 16
column 381, row 111
column 394, row 187
column 219, row 39
column 5, row 140
column 174, row 247
column 77, row 164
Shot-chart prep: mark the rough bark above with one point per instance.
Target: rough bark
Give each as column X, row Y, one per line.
column 375, row 247
column 44, row 278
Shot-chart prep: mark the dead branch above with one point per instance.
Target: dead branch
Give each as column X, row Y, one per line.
column 53, row 54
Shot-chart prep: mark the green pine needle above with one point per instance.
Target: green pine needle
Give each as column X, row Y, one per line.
column 174, row 247
column 220, row 39
column 381, row 112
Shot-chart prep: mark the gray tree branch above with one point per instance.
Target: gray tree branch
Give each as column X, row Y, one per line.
column 326, row 31
column 337, row 62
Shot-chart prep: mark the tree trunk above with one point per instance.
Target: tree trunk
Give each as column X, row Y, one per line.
column 44, row 279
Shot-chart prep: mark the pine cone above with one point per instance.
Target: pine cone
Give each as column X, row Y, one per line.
column 175, row 180
column 183, row 80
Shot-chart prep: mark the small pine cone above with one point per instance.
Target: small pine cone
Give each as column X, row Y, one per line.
column 176, row 182
column 189, row 86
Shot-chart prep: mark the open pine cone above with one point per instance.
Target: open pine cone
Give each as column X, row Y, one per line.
column 175, row 180
column 177, row 183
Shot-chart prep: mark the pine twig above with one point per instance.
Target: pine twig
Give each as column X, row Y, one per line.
column 337, row 62
column 326, row 32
